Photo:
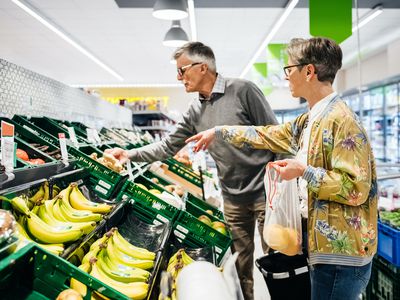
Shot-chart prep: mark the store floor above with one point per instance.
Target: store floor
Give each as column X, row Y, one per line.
column 260, row 288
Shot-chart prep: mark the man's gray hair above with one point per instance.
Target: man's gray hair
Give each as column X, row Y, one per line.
column 197, row 52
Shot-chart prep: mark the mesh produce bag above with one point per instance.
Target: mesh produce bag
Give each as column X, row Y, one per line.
column 282, row 227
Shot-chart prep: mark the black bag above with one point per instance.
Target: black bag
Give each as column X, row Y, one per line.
column 287, row 277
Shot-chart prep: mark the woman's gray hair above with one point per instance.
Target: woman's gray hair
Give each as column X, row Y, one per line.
column 197, row 52
column 323, row 53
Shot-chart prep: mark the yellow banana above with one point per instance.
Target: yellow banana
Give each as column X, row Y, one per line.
column 121, row 259
column 56, row 249
column 104, row 239
column 134, row 290
column 79, row 201
column 74, row 215
column 18, row 203
column 38, row 196
column 46, row 195
column 126, row 275
column 124, row 246
column 77, row 285
column 56, row 191
column 187, row 260
column 46, row 214
column 91, row 254
column 49, row 234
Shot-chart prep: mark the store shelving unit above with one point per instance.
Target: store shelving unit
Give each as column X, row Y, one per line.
column 154, row 121
column 378, row 107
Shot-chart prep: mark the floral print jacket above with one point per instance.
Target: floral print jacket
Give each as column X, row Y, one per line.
column 341, row 176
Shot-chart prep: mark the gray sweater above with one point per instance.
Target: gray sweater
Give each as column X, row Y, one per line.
column 240, row 171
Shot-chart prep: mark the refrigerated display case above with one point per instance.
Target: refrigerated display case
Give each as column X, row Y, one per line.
column 378, row 109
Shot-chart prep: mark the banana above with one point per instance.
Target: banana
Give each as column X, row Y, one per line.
column 121, row 259
column 92, row 253
column 37, row 197
column 46, row 194
column 124, row 246
column 187, row 260
column 134, row 290
column 18, row 203
column 126, row 275
column 74, row 215
column 56, row 191
column 46, row 214
column 49, row 234
column 103, row 239
column 77, row 285
column 79, row 201
column 56, row 249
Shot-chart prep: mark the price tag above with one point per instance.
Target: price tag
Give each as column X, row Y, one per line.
column 96, row 135
column 90, row 137
column 72, row 136
column 63, row 147
column 7, row 146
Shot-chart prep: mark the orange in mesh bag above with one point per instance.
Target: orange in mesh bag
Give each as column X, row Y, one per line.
column 282, row 226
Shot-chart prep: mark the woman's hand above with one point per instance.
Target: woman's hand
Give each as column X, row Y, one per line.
column 289, row 168
column 118, row 153
column 203, row 139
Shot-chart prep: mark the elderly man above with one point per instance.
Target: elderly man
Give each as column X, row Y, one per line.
column 221, row 101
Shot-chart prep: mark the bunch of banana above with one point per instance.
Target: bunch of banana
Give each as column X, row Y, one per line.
column 176, row 263
column 79, row 201
column 118, row 264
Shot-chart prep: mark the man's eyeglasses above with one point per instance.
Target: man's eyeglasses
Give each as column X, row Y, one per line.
column 183, row 69
column 286, row 69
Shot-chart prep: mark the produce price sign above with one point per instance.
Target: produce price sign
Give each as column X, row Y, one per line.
column 7, row 146
column 63, row 147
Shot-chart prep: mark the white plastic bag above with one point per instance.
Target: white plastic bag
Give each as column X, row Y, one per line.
column 282, row 226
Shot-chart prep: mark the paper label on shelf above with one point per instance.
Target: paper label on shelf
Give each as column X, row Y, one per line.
column 162, row 218
column 156, row 222
column 90, row 137
column 72, row 136
column 30, row 129
column 7, row 146
column 63, row 147
column 101, row 190
column 104, row 184
column 157, row 206
column 96, row 135
column 183, row 229
column 179, row 234
column 218, row 250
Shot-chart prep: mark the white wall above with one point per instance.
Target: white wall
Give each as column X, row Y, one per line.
column 376, row 67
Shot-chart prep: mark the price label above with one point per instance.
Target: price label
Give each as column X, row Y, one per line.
column 63, row 147
column 129, row 169
column 72, row 136
column 7, row 146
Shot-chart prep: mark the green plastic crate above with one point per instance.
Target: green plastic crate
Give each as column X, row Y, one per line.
column 183, row 171
column 25, row 123
column 34, row 274
column 105, row 180
column 205, row 206
column 187, row 225
column 154, row 208
column 54, row 127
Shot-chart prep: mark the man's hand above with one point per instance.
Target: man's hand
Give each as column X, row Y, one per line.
column 118, row 153
column 203, row 139
column 289, row 168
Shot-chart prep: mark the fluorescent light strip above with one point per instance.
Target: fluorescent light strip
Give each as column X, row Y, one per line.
column 291, row 5
column 127, row 85
column 368, row 18
column 192, row 19
column 27, row 7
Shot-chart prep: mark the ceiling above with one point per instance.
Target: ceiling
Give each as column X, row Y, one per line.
column 128, row 39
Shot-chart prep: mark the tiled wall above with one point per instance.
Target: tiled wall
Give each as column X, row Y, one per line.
column 27, row 93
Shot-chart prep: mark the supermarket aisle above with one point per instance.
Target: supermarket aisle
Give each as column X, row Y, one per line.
column 260, row 288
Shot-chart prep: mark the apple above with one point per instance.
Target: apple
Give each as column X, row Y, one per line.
column 209, row 211
column 220, row 227
column 205, row 220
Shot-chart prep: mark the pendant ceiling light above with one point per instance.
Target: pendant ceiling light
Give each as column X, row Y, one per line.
column 175, row 36
column 170, row 9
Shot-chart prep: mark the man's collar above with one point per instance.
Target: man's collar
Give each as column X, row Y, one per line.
column 218, row 88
